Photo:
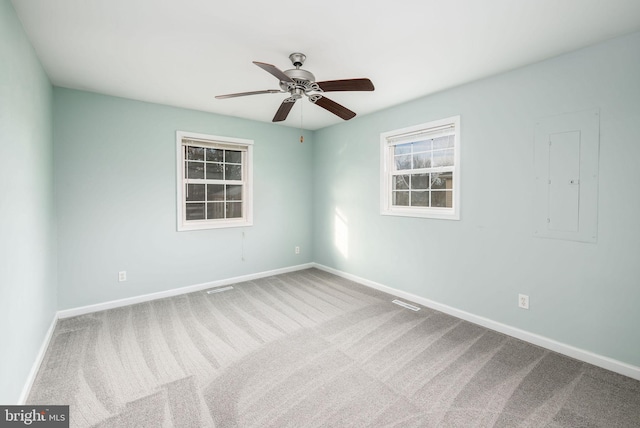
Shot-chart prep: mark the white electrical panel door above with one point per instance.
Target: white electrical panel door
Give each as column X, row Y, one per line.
column 564, row 181
column 566, row 176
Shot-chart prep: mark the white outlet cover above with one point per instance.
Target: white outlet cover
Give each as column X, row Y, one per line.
column 122, row 276
column 523, row 301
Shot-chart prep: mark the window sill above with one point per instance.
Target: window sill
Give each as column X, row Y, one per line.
column 444, row 214
column 210, row 225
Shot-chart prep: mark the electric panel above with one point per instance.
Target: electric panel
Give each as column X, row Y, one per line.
column 566, row 176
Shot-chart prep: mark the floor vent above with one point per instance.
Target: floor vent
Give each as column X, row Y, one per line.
column 219, row 290
column 406, row 305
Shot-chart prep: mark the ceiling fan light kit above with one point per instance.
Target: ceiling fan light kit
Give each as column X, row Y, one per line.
column 299, row 82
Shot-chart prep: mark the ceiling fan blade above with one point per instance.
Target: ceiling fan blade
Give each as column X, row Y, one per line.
column 333, row 107
column 244, row 94
column 275, row 71
column 284, row 109
column 346, row 85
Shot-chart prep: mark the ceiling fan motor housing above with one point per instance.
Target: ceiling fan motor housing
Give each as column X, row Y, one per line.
column 300, row 74
column 302, row 79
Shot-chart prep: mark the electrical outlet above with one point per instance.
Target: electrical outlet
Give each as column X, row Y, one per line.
column 297, row 250
column 122, row 276
column 523, row 301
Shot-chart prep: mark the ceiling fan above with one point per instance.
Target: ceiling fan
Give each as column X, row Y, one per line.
column 298, row 82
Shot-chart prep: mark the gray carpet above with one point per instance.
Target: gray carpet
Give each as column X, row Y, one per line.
column 310, row 349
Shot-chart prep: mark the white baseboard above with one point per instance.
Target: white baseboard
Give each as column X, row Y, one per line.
column 38, row 361
column 559, row 347
column 66, row 313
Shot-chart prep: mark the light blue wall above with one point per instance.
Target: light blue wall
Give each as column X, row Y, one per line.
column 116, row 200
column 27, row 221
column 585, row 295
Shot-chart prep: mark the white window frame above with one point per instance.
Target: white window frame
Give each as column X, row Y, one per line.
column 229, row 143
column 388, row 141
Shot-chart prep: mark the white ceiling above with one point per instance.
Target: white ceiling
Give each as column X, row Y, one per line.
column 184, row 52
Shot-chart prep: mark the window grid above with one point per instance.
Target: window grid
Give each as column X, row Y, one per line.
column 213, row 183
column 429, row 164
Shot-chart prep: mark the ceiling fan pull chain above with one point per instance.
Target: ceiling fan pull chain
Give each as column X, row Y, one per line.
column 301, row 136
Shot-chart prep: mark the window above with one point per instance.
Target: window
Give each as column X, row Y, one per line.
column 214, row 181
column 420, row 170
